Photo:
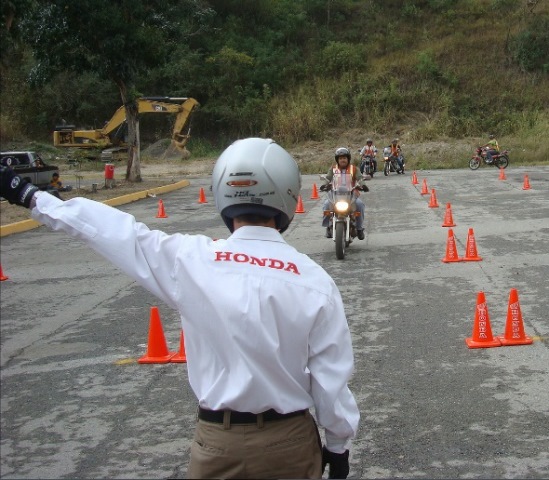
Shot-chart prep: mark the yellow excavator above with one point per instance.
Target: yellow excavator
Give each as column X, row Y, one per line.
column 114, row 131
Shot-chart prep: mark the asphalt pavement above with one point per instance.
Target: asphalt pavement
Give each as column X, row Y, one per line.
column 76, row 404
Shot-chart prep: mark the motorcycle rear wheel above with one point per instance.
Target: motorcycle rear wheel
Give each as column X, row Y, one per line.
column 340, row 240
column 474, row 163
column 502, row 161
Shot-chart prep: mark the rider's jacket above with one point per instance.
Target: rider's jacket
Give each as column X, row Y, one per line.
column 395, row 149
column 368, row 150
column 493, row 145
column 351, row 170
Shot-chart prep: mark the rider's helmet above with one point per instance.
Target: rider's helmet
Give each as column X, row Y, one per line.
column 342, row 152
column 369, row 141
column 491, row 136
column 256, row 176
column 395, row 141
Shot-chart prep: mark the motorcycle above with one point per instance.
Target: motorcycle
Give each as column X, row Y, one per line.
column 342, row 212
column 367, row 165
column 500, row 160
column 391, row 163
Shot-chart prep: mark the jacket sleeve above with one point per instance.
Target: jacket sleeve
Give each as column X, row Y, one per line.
column 331, row 365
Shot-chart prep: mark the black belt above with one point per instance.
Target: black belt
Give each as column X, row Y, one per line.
column 217, row 416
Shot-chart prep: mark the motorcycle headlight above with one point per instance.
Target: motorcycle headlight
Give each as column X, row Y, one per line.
column 342, row 206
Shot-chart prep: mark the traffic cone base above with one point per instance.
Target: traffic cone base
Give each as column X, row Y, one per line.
column 161, row 212
column 482, row 331
column 181, row 356
column 424, row 189
column 433, row 200
column 514, row 326
column 202, row 196
column 314, row 195
column 451, row 249
column 448, row 219
column 157, row 348
column 482, row 344
column 526, row 185
column 299, row 208
column 2, row 276
column 471, row 248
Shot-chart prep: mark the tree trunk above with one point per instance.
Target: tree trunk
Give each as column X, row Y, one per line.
column 133, row 169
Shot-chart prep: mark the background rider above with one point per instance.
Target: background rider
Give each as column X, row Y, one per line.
column 371, row 150
column 396, row 151
column 492, row 148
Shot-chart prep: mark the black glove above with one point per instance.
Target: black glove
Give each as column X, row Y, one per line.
column 364, row 188
column 339, row 463
column 325, row 187
column 16, row 189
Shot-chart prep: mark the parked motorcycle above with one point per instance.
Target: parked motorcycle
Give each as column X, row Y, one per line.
column 367, row 165
column 391, row 163
column 500, row 160
column 342, row 212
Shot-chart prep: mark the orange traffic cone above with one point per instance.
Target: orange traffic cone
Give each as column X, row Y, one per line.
column 161, row 212
column 482, row 331
column 514, row 328
column 202, row 196
column 157, row 349
column 2, row 276
column 448, row 219
column 433, row 200
column 502, row 174
column 299, row 208
column 314, row 195
column 414, row 178
column 181, row 356
column 526, row 185
column 451, row 249
column 471, row 254
column 424, row 189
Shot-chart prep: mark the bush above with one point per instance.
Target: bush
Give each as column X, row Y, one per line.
column 339, row 57
column 530, row 48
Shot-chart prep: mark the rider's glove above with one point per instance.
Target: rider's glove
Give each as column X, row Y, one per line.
column 364, row 188
column 16, row 189
column 339, row 463
column 325, row 187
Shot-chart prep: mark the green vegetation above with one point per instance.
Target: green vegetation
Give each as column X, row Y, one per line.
column 295, row 70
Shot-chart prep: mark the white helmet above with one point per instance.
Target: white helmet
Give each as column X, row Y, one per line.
column 256, row 176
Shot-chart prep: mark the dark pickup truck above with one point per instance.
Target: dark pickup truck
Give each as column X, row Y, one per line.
column 30, row 166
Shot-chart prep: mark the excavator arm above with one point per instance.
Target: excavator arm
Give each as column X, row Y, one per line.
column 182, row 122
column 110, row 135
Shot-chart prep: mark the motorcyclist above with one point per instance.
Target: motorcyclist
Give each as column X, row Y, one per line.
column 371, row 150
column 492, row 148
column 343, row 165
column 396, row 151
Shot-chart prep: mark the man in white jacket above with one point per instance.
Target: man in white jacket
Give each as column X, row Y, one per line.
column 266, row 335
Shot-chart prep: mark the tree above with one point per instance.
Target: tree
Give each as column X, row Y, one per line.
column 120, row 40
